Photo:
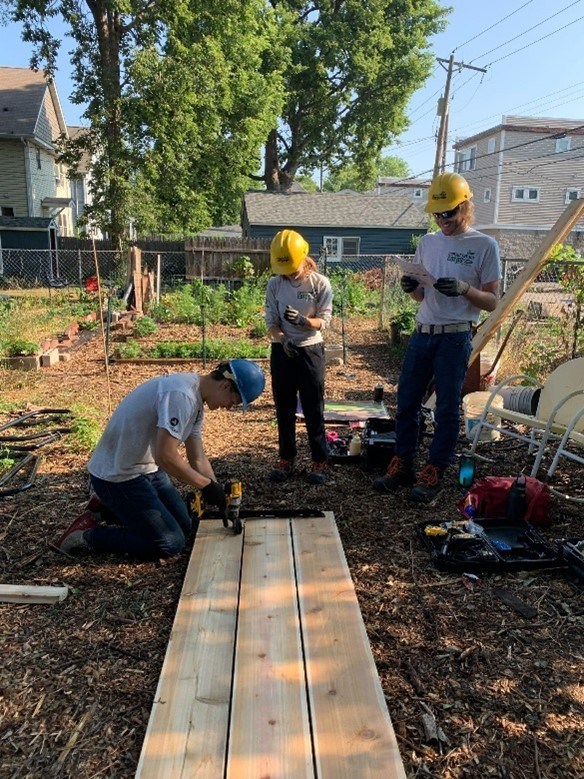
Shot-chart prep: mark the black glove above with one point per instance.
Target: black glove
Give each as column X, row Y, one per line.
column 214, row 495
column 452, row 288
column 289, row 348
column 295, row 317
column 408, row 283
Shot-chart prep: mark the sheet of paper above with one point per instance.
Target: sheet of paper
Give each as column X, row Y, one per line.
column 413, row 269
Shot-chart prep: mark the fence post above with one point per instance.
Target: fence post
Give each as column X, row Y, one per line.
column 383, row 291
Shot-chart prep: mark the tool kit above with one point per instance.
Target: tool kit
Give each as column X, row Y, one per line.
column 487, row 545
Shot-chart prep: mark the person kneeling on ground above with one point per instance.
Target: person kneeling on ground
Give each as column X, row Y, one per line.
column 466, row 266
column 139, row 451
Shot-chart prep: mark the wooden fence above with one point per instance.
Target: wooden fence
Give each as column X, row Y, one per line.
column 218, row 258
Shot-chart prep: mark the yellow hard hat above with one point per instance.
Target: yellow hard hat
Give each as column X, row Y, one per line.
column 287, row 251
column 447, row 191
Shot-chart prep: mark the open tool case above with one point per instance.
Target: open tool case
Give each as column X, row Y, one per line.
column 572, row 551
column 495, row 545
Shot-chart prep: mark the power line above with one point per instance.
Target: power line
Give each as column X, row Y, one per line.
column 521, row 34
column 490, row 27
column 528, row 45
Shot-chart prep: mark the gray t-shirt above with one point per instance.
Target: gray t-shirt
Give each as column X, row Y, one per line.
column 126, row 448
column 312, row 296
column 470, row 256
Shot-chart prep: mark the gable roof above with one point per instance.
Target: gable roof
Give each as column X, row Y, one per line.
column 26, row 222
column 22, row 93
column 332, row 209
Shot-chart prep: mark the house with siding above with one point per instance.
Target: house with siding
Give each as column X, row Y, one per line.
column 33, row 183
column 414, row 188
column 523, row 172
column 345, row 224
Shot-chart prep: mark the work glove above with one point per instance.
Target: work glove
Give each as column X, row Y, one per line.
column 289, row 348
column 452, row 288
column 295, row 317
column 408, row 283
column 214, row 495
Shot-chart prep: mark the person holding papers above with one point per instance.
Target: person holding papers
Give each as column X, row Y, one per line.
column 464, row 271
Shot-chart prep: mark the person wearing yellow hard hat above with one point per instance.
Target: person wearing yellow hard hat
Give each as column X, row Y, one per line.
column 298, row 308
column 464, row 272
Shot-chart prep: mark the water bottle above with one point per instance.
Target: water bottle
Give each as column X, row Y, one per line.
column 355, row 446
column 516, row 502
column 470, row 505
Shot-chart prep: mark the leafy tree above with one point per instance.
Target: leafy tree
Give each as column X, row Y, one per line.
column 177, row 103
column 349, row 177
column 354, row 65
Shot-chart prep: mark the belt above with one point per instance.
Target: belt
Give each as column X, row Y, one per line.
column 461, row 327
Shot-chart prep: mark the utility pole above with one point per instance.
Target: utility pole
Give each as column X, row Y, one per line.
column 443, row 111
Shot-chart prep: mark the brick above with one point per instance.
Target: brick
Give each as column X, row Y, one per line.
column 49, row 358
column 64, row 357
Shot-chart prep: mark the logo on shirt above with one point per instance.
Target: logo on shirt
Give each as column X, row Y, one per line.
column 305, row 296
column 174, row 422
column 461, row 259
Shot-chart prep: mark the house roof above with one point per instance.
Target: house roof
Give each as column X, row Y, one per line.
column 332, row 209
column 22, row 93
column 527, row 124
column 394, row 181
column 26, row 222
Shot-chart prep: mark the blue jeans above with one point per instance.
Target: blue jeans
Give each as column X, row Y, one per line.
column 443, row 358
column 152, row 515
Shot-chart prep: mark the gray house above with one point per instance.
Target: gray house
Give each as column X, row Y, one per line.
column 346, row 224
column 523, row 173
column 33, row 182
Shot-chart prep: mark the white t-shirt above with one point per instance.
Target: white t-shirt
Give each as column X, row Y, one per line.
column 126, row 448
column 470, row 256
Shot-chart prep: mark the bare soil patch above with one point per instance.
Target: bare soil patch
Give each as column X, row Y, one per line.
column 78, row 678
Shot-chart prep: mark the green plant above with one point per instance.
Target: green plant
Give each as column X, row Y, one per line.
column 6, row 460
column 145, row 326
column 21, row 348
column 129, row 351
column 243, row 267
column 404, row 318
column 85, row 430
column 258, row 328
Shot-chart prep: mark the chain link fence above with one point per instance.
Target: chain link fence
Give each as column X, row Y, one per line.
column 543, row 329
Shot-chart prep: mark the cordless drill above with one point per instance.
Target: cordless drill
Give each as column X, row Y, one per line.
column 197, row 506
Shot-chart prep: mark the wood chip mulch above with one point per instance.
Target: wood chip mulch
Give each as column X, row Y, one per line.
column 474, row 688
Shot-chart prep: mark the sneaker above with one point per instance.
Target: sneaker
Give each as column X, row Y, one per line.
column 282, row 472
column 74, row 537
column 317, row 473
column 400, row 473
column 427, row 486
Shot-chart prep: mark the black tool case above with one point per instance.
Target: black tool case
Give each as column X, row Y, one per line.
column 500, row 545
column 572, row 551
column 378, row 443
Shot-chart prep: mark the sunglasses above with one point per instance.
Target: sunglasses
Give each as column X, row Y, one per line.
column 445, row 214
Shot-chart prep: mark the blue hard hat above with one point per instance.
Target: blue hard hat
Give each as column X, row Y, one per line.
column 249, row 379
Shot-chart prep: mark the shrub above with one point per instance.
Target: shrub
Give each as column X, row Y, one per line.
column 144, row 326
column 21, row 348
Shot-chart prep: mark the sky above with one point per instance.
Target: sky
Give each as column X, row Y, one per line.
column 533, row 51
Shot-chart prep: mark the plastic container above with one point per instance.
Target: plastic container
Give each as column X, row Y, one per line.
column 355, row 446
column 378, row 393
column 473, row 406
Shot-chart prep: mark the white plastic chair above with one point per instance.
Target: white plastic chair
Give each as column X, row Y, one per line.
column 559, row 415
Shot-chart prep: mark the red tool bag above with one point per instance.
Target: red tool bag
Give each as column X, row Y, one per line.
column 490, row 498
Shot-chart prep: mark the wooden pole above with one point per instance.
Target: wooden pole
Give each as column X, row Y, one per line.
column 99, row 295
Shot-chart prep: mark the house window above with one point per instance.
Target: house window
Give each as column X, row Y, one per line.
column 7, row 211
column 418, row 193
column 572, row 194
column 466, row 159
column 525, row 195
column 487, row 196
column 563, row 144
column 491, row 143
column 38, row 159
column 337, row 247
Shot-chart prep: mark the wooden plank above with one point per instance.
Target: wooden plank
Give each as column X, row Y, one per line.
column 538, row 259
column 269, row 730
column 352, row 731
column 187, row 730
column 28, row 593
